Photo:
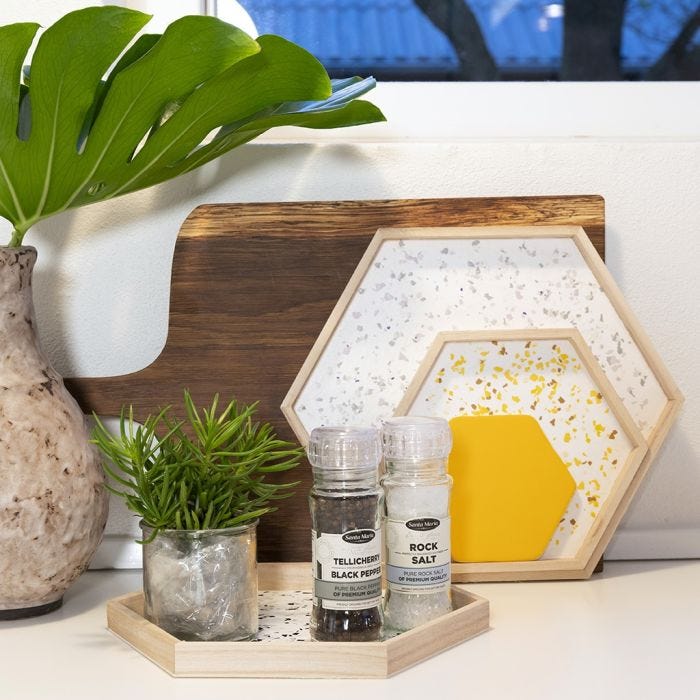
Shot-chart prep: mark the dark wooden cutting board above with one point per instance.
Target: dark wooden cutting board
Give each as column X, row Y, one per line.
column 252, row 286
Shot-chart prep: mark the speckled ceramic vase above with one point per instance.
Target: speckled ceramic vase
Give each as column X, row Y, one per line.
column 53, row 506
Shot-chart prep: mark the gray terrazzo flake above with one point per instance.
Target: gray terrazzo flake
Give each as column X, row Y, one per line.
column 53, row 506
column 284, row 616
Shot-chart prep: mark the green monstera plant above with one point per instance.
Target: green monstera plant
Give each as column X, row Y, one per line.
column 99, row 114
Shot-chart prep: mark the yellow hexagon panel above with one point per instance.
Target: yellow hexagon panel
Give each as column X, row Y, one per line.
column 510, row 489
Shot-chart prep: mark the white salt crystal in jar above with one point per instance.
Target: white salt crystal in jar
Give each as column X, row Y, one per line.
column 417, row 490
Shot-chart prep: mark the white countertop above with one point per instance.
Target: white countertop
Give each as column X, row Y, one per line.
column 632, row 632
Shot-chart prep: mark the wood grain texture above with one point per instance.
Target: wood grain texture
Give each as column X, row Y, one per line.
column 295, row 659
column 252, row 287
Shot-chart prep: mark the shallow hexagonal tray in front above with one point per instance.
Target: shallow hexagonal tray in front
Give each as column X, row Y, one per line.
column 283, row 648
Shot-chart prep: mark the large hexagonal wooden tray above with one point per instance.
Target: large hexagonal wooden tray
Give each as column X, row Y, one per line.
column 414, row 284
column 289, row 656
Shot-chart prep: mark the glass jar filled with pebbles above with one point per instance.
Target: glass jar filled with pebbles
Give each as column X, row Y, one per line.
column 417, row 489
column 346, row 504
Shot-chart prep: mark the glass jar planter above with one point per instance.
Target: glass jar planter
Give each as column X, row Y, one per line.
column 202, row 585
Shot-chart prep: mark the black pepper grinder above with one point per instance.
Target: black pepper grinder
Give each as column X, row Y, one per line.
column 346, row 509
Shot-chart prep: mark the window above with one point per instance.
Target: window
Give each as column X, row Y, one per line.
column 492, row 39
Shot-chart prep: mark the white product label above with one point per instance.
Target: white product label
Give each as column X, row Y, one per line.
column 418, row 555
column 347, row 569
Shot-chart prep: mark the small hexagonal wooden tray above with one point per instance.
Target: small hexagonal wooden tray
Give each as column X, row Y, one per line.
column 551, row 375
column 288, row 656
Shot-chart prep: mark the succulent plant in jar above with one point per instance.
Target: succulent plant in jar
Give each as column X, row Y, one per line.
column 199, row 484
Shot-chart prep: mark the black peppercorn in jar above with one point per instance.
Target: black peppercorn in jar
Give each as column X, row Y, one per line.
column 346, row 510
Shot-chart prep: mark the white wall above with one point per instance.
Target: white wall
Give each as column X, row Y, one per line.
column 103, row 277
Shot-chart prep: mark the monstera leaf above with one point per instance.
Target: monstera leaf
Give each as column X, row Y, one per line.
column 91, row 119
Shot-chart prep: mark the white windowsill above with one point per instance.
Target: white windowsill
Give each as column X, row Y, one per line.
column 431, row 112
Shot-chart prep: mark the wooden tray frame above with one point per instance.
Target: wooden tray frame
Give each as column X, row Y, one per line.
column 550, row 569
column 295, row 659
column 598, row 535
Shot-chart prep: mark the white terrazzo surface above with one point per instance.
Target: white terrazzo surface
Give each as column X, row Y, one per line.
column 415, row 289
